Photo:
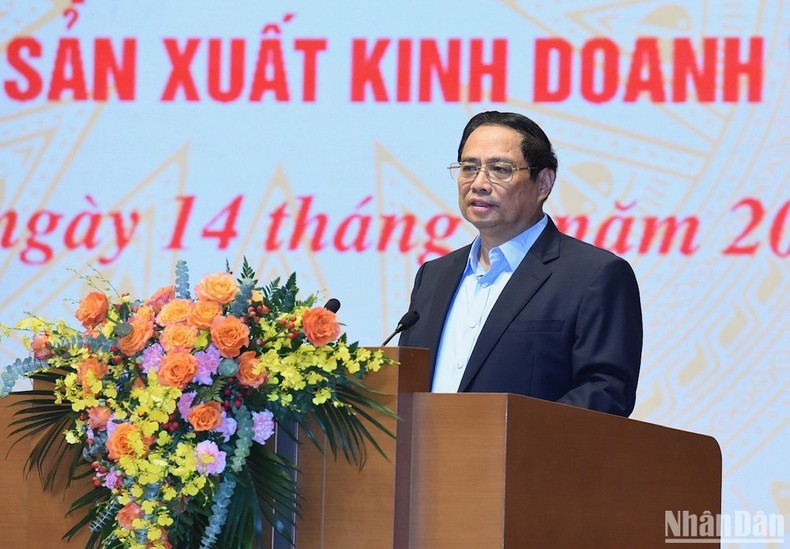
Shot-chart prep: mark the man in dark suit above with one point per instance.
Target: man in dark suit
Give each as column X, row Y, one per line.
column 525, row 309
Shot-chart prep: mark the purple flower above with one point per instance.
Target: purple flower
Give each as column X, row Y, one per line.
column 227, row 428
column 151, row 357
column 208, row 361
column 111, row 480
column 112, row 425
column 262, row 426
column 210, row 459
column 184, row 403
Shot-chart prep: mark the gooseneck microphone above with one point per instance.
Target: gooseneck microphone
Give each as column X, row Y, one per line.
column 332, row 305
column 407, row 321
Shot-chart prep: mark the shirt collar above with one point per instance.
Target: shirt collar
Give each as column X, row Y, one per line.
column 514, row 250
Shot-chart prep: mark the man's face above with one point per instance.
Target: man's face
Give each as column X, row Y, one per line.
column 501, row 211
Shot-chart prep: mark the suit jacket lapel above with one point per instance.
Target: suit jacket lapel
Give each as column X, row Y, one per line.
column 527, row 279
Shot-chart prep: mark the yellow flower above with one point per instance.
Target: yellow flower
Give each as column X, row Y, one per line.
column 164, row 520
column 314, row 378
column 203, row 339
column 107, row 328
column 375, row 364
column 329, row 364
column 321, row 396
column 342, row 353
column 163, row 438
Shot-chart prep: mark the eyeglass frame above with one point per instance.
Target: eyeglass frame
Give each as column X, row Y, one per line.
column 484, row 168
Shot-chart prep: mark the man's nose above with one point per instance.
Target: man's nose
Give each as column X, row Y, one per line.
column 480, row 181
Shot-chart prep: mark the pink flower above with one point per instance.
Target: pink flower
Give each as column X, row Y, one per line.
column 210, row 459
column 41, row 347
column 98, row 417
column 161, row 297
column 208, row 361
column 262, row 426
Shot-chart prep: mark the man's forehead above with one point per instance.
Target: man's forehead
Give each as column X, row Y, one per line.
column 493, row 143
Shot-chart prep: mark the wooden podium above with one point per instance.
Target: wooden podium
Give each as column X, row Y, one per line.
column 467, row 470
column 30, row 517
column 500, row 470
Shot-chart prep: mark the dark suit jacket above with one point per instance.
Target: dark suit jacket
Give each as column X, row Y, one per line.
column 567, row 326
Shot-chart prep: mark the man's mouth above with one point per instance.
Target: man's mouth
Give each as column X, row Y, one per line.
column 480, row 204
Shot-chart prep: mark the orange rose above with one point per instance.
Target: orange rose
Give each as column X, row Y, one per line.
column 145, row 314
column 161, row 298
column 229, row 335
column 90, row 370
column 93, row 309
column 177, row 369
column 178, row 336
column 98, row 417
column 128, row 514
column 142, row 330
column 202, row 313
column 176, row 310
column 221, row 288
column 248, row 363
column 119, row 443
column 205, row 417
column 320, row 326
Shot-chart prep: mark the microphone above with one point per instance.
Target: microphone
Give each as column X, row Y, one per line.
column 407, row 321
column 332, row 305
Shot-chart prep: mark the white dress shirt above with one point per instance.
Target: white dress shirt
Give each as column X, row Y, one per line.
column 473, row 301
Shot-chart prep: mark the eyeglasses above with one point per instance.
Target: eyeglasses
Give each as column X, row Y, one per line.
column 497, row 172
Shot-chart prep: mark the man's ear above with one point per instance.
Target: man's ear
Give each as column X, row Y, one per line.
column 546, row 179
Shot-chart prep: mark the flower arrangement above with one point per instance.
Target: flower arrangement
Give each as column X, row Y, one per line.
column 168, row 403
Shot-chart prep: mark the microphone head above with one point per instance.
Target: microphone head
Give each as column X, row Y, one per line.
column 408, row 320
column 332, row 305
